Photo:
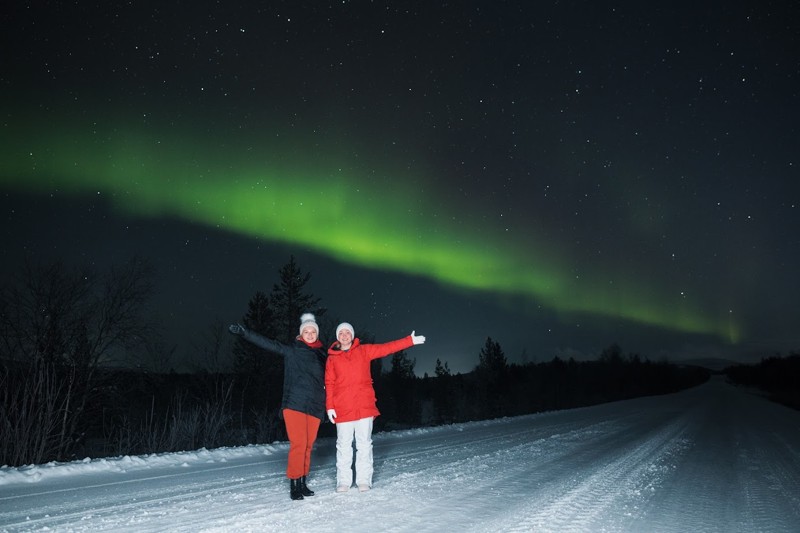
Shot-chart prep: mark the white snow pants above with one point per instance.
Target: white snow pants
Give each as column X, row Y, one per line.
column 361, row 430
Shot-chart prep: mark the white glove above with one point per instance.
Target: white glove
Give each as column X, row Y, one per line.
column 417, row 339
column 332, row 415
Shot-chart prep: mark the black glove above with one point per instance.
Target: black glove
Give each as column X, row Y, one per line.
column 237, row 329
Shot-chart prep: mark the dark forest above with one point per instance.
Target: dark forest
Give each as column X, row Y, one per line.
column 83, row 374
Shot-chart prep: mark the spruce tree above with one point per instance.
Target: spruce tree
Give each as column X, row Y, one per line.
column 289, row 301
column 441, row 370
column 276, row 317
column 492, row 372
column 402, row 389
column 443, row 393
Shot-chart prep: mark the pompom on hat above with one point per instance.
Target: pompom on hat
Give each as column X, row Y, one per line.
column 345, row 325
column 308, row 319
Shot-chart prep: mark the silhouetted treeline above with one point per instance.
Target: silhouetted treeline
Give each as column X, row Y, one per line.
column 497, row 389
column 779, row 377
column 138, row 412
column 84, row 374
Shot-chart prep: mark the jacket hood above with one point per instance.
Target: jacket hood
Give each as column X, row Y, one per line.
column 335, row 348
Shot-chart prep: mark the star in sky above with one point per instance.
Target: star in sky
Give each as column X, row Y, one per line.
column 627, row 168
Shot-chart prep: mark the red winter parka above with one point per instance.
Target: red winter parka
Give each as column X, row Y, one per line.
column 348, row 382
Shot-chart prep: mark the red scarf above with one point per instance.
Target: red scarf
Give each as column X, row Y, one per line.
column 315, row 344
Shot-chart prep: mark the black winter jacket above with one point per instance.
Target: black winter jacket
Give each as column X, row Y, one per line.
column 303, row 373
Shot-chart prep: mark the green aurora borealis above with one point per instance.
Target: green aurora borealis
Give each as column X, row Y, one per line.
column 357, row 212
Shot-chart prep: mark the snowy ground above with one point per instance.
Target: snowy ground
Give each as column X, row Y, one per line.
column 714, row 458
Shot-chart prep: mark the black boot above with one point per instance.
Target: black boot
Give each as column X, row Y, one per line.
column 304, row 490
column 295, row 489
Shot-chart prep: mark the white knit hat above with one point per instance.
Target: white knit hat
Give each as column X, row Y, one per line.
column 345, row 325
column 308, row 320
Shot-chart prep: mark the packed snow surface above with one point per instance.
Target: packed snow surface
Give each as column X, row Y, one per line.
column 712, row 458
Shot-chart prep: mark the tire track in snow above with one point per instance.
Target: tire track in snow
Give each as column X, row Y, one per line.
column 771, row 487
column 141, row 495
column 482, row 478
column 740, row 474
column 700, row 461
column 619, row 470
column 146, row 501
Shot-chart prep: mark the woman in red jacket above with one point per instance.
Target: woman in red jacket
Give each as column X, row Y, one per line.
column 350, row 401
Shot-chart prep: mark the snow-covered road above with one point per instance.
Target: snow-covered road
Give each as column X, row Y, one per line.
column 713, row 458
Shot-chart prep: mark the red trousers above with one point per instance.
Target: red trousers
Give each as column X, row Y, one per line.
column 302, row 430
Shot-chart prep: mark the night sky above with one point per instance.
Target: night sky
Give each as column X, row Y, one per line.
column 559, row 176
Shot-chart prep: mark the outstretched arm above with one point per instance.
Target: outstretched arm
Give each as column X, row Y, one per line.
column 376, row 351
column 259, row 340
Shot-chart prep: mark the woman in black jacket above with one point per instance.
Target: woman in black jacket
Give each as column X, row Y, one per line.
column 303, row 401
